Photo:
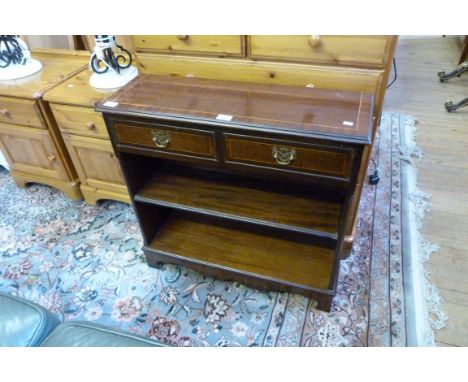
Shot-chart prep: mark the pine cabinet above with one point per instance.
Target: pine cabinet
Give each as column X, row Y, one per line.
column 86, row 138
column 29, row 137
column 31, row 151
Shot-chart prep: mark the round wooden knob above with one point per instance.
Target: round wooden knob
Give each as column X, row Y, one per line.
column 314, row 41
column 52, row 158
column 5, row 112
column 183, row 37
column 91, row 126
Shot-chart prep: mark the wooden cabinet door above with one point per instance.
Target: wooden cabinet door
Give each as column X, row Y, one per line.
column 31, row 151
column 95, row 162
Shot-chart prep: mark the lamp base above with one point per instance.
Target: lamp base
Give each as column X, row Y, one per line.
column 112, row 80
column 13, row 72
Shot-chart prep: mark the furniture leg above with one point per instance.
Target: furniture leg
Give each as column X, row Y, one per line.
column 70, row 188
column 462, row 68
column 450, row 106
column 464, row 51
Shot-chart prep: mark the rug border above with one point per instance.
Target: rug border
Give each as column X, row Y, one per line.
column 419, row 326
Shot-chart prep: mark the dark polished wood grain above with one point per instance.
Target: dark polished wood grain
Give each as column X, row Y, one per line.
column 307, row 111
column 243, row 199
column 260, row 194
column 150, row 213
column 307, row 158
column 233, row 246
column 180, row 140
column 321, row 298
column 316, row 160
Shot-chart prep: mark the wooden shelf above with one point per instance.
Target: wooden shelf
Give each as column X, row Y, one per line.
column 241, row 198
column 254, row 251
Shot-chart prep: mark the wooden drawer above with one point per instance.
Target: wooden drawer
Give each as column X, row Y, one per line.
column 168, row 141
column 192, row 44
column 80, row 120
column 287, row 155
column 337, row 50
column 19, row 111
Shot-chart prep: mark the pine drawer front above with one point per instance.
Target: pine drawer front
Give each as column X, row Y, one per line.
column 337, row 50
column 168, row 141
column 192, row 44
column 288, row 155
column 80, row 121
column 18, row 111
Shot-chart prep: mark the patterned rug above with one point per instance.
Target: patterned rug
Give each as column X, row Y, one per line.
column 85, row 263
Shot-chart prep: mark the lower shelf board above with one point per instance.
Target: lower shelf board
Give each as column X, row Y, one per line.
column 204, row 243
column 241, row 198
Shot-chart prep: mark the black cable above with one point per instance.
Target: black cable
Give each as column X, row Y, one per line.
column 375, row 177
column 394, row 71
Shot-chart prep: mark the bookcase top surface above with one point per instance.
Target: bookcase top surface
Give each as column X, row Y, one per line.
column 324, row 113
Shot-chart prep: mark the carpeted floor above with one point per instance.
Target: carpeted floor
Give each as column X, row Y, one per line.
column 85, row 263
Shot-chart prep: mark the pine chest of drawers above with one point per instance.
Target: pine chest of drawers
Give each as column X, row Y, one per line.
column 85, row 135
column 29, row 136
column 242, row 181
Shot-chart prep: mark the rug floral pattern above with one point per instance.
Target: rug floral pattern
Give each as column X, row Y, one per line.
column 85, row 263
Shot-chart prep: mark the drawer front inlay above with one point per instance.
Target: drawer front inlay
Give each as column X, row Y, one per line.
column 168, row 139
column 289, row 155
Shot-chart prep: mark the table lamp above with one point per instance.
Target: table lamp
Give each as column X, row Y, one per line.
column 15, row 59
column 111, row 64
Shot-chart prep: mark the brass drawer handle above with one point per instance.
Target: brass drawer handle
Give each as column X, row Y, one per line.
column 91, row 126
column 52, row 158
column 161, row 138
column 182, row 37
column 284, row 155
column 5, row 112
column 314, row 41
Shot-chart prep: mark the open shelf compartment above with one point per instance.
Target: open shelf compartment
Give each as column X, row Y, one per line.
column 243, row 199
column 206, row 241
